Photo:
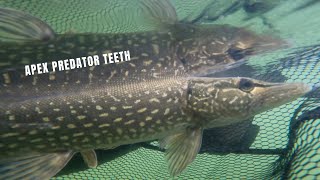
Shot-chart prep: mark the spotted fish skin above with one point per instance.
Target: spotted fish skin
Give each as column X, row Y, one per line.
column 207, row 49
column 99, row 117
column 138, row 101
column 46, row 118
column 97, row 107
column 83, row 100
column 114, row 111
column 203, row 49
column 220, row 102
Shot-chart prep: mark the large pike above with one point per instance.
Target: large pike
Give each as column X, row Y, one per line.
column 46, row 118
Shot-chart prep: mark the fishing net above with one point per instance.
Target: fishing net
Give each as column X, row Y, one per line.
column 282, row 143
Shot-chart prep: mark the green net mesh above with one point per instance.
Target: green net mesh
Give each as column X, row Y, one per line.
column 282, row 143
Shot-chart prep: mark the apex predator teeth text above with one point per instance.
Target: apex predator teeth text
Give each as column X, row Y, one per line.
column 80, row 62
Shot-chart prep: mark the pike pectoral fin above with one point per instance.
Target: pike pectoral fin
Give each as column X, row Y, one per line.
column 182, row 149
column 33, row 167
column 17, row 26
column 90, row 158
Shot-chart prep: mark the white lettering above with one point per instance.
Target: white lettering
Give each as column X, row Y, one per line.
column 27, row 70
column 90, row 61
column 60, row 65
column 127, row 55
column 110, row 58
column 115, row 55
column 79, row 65
column 66, row 64
column 45, row 67
column 96, row 60
column 121, row 55
column 80, row 62
column 72, row 64
column 54, row 65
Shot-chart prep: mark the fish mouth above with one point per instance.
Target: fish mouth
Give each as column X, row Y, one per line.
column 268, row 44
column 277, row 94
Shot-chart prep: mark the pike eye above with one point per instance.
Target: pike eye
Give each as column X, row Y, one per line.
column 236, row 54
column 246, row 85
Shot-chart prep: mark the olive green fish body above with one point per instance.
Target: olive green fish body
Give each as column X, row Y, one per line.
column 203, row 49
column 99, row 117
column 157, row 94
column 96, row 107
column 79, row 108
column 67, row 46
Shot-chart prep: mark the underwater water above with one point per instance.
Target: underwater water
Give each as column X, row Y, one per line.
column 281, row 143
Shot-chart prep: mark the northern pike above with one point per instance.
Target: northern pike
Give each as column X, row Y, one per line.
column 47, row 118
